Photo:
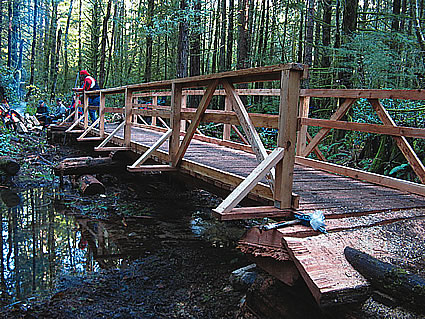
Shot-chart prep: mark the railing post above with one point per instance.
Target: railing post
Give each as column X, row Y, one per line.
column 175, row 120
column 155, row 106
column 86, row 111
column 128, row 115
column 227, row 127
column 102, row 115
column 288, row 112
column 184, row 105
column 77, row 100
column 302, row 133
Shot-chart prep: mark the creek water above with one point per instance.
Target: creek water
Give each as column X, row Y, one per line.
column 41, row 240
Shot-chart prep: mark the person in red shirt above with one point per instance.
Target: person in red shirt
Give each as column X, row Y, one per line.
column 90, row 84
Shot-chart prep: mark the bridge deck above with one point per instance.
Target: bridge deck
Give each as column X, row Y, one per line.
column 336, row 195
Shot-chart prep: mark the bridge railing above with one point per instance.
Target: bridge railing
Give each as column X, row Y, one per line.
column 307, row 144
column 279, row 179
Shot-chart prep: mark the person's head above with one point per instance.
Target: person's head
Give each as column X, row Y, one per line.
column 40, row 103
column 58, row 100
column 83, row 74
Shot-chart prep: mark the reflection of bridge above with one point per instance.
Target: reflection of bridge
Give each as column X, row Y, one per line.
column 285, row 177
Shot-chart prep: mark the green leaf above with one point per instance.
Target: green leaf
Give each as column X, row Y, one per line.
column 398, row 168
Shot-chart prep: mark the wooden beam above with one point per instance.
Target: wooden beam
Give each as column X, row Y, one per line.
column 226, row 127
column 163, row 123
column 86, row 111
column 152, row 168
column 112, row 148
column 67, row 118
column 402, row 143
column 152, row 149
column 287, row 137
column 101, row 145
column 364, row 176
column 251, row 180
column 302, row 133
column 128, row 115
column 240, row 135
column 340, row 112
column 69, row 130
column 365, row 94
column 248, row 127
column 155, row 103
column 253, row 212
column 368, row 128
column 205, row 101
column 316, row 150
column 175, row 121
column 87, row 131
column 102, row 114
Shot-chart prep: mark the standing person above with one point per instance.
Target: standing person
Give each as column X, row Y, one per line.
column 90, row 84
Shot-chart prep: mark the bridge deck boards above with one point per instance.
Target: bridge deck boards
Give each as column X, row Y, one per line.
column 317, row 189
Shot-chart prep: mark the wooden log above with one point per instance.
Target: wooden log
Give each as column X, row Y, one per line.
column 388, row 278
column 8, row 165
column 84, row 165
column 90, row 185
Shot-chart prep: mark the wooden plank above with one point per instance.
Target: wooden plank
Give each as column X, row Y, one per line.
column 119, row 110
column 86, row 111
column 340, row 112
column 155, row 103
column 175, row 121
column 302, row 133
column 113, row 148
column 101, row 145
column 102, row 114
column 69, row 130
column 66, row 119
column 287, row 137
column 240, row 135
column 253, row 178
column 365, row 127
column 205, row 101
column 152, row 149
column 248, row 127
column 226, row 127
column 128, row 115
column 321, row 263
column 366, row 94
column 152, row 168
column 402, row 143
column 90, row 139
column 365, row 176
column 261, row 92
column 252, row 212
column 87, row 131
column 316, row 150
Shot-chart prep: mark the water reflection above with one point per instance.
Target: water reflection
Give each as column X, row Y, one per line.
column 39, row 242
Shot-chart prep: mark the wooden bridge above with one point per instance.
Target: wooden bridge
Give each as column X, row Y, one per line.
column 286, row 180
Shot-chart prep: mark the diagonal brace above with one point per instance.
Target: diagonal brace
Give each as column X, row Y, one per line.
column 249, row 183
column 111, row 135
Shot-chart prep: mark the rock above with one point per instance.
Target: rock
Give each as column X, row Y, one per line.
column 243, row 278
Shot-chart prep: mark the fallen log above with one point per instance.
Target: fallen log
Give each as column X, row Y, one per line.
column 90, row 185
column 385, row 277
column 84, row 165
column 9, row 166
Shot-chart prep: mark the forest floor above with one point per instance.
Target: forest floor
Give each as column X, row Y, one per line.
column 183, row 267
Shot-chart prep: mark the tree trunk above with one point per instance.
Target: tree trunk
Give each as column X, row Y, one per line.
column 55, row 66
column 149, row 25
column 9, row 34
column 15, row 38
column 84, row 165
column 308, row 55
column 1, row 28
column 183, row 44
column 94, row 38
column 417, row 25
column 242, row 62
column 90, row 185
column 102, row 71
column 33, row 44
column 80, row 49
column 388, row 278
column 112, row 44
column 300, row 38
column 195, row 50
column 229, row 50
column 65, row 63
column 222, row 54
column 395, row 24
column 349, row 20
column 215, row 45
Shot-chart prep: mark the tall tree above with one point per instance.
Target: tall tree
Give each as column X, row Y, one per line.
column 66, row 66
column 55, row 64
column 102, row 70
column 229, row 49
column 242, row 61
column 149, row 41
column 34, row 42
column 183, row 42
column 222, row 54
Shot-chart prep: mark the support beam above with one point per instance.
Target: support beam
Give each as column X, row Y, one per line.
column 152, row 168
column 101, row 145
column 287, row 137
column 227, row 128
column 74, row 124
column 152, row 149
column 205, row 101
column 87, row 131
column 128, row 115
column 102, row 114
column 342, row 110
column 67, row 118
column 175, row 121
column 86, row 111
column 302, row 133
column 401, row 141
column 248, row 127
column 155, row 104
column 248, row 183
